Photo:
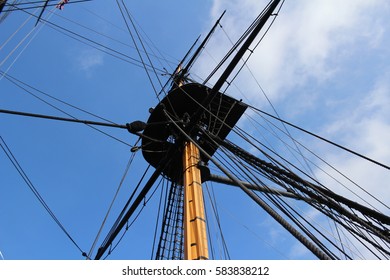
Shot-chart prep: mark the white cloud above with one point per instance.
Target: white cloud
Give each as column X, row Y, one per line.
column 88, row 60
column 308, row 40
column 313, row 47
column 366, row 129
column 313, row 41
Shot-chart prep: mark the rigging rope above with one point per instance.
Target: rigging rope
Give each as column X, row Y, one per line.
column 171, row 239
column 348, row 227
column 364, row 225
column 18, row 83
column 320, row 254
column 112, row 248
column 17, row 46
column 123, row 126
column 320, row 168
column 15, row 32
column 18, row 6
column 94, row 44
column 245, row 64
column 214, row 205
column 112, row 203
column 241, row 167
column 159, row 212
column 74, row 120
column 323, row 139
column 298, row 149
column 111, row 37
column 35, row 191
column 208, row 111
column 138, row 50
column 375, row 223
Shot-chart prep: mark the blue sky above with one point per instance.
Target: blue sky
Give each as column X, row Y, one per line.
column 323, row 64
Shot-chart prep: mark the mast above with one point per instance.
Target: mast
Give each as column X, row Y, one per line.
column 195, row 236
column 218, row 114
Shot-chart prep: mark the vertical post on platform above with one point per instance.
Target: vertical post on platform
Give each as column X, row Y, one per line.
column 195, row 236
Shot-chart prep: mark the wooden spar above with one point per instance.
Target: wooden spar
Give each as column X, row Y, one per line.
column 195, row 236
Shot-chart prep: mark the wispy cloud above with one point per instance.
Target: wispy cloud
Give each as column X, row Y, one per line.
column 89, row 60
column 365, row 128
column 324, row 57
column 308, row 41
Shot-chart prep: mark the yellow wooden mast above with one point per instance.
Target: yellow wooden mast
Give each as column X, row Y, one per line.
column 195, row 236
